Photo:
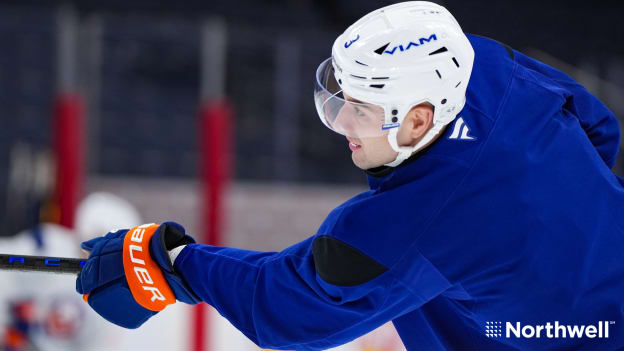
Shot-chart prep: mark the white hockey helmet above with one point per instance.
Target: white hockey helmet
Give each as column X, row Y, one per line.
column 101, row 212
column 391, row 60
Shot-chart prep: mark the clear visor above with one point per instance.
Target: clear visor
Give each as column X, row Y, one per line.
column 343, row 114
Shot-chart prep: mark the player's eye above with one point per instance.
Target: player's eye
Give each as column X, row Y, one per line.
column 359, row 112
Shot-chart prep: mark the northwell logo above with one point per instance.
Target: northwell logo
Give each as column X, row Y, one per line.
column 549, row 330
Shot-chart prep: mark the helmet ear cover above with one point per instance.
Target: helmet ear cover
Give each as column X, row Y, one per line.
column 398, row 57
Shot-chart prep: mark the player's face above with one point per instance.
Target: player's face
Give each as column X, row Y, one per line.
column 369, row 152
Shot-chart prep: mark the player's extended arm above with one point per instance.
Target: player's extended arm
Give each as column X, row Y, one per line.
column 317, row 294
column 597, row 120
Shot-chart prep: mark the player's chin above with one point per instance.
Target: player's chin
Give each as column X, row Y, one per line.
column 359, row 160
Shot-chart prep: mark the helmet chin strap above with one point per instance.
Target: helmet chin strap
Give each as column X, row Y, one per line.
column 406, row 151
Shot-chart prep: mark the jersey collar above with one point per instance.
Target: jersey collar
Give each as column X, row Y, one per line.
column 382, row 175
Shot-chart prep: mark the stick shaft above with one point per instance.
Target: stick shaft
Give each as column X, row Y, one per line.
column 41, row 264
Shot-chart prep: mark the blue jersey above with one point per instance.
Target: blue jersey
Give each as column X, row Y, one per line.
column 506, row 233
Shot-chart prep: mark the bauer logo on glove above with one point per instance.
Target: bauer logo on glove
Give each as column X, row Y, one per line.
column 147, row 284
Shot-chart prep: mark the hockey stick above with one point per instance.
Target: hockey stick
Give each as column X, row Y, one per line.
column 41, row 264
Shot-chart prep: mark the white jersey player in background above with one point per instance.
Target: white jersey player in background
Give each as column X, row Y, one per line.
column 39, row 311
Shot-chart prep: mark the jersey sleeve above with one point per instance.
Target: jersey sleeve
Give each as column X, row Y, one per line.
column 599, row 123
column 317, row 294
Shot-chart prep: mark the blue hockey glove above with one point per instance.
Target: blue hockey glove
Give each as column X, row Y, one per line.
column 129, row 277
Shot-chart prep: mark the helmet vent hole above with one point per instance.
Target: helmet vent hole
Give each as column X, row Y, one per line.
column 378, row 86
column 363, row 64
column 340, row 81
column 439, row 51
column 439, row 75
column 443, row 101
column 456, row 63
column 394, row 119
column 395, row 112
column 380, row 78
column 359, row 77
column 457, row 84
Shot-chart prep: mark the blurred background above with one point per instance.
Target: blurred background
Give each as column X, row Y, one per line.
column 202, row 112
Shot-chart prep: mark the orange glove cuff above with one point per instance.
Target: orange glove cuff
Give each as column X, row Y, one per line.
column 147, row 282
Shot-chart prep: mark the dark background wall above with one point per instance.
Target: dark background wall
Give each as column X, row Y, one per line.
column 147, row 71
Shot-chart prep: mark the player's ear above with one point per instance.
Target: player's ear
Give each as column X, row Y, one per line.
column 416, row 123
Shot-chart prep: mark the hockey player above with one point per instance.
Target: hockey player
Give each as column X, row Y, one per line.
column 492, row 213
column 38, row 311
